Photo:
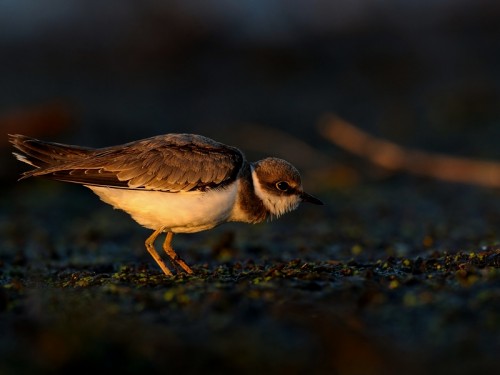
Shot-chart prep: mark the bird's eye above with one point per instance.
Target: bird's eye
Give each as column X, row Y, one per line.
column 282, row 185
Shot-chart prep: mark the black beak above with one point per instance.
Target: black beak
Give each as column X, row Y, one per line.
column 309, row 198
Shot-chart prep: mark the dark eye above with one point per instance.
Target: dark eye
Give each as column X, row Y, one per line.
column 282, row 185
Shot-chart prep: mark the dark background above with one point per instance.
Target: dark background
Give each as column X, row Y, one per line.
column 422, row 73
column 258, row 75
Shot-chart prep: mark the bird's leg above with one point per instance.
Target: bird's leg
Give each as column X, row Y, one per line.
column 173, row 255
column 150, row 246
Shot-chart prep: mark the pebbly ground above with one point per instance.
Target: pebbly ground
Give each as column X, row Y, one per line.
column 394, row 276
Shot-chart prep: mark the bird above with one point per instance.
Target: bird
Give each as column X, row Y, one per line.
column 171, row 183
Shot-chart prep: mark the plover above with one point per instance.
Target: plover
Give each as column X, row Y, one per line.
column 172, row 183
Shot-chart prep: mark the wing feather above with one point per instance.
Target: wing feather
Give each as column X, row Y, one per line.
column 171, row 162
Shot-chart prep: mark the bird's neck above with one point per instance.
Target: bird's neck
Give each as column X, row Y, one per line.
column 249, row 207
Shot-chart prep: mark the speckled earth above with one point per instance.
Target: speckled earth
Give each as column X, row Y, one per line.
column 394, row 276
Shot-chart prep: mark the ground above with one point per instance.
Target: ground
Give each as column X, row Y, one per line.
column 400, row 275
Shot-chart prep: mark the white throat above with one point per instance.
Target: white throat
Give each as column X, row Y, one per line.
column 276, row 204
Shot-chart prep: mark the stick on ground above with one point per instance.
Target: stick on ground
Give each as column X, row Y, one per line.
column 391, row 156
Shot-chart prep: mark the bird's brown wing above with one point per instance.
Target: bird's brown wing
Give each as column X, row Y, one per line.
column 171, row 162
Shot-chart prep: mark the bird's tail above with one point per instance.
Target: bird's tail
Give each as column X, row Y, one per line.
column 41, row 154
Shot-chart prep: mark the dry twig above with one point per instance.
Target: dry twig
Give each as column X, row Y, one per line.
column 391, row 156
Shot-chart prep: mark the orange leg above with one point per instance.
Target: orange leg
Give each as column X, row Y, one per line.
column 173, row 255
column 151, row 249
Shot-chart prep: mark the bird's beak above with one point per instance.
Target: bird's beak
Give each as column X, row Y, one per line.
column 309, row 198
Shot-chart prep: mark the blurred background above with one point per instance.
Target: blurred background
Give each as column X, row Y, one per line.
column 421, row 73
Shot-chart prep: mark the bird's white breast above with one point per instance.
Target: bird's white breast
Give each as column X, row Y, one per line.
column 183, row 212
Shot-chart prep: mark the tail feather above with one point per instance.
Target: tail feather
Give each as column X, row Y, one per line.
column 41, row 154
